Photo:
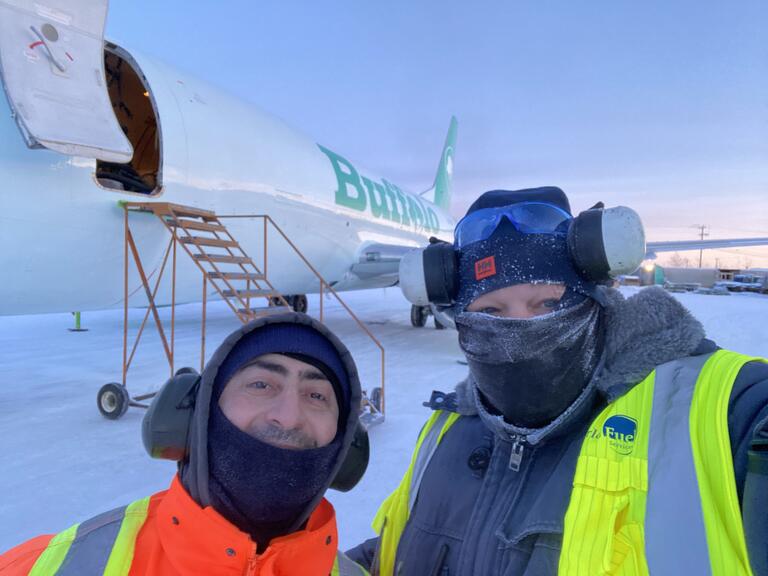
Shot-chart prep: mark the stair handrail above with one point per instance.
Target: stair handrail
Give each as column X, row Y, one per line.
column 323, row 284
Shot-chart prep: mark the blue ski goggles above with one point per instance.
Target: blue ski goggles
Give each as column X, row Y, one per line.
column 526, row 217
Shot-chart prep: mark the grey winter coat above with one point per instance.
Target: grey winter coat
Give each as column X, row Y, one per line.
column 475, row 515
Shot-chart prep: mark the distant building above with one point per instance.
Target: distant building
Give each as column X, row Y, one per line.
column 704, row 277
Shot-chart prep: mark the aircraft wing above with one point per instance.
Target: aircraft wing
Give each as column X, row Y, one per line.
column 652, row 248
column 381, row 261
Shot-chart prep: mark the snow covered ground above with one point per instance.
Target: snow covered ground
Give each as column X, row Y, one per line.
column 61, row 462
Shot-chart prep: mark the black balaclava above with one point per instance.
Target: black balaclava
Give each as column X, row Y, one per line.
column 528, row 370
column 264, row 490
column 532, row 370
column 260, row 488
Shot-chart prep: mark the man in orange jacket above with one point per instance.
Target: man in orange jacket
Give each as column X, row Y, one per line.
column 270, row 424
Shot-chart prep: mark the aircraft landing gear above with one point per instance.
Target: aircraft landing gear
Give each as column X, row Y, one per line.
column 439, row 325
column 112, row 400
column 299, row 303
column 419, row 316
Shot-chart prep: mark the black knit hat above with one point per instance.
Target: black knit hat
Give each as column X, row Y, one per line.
column 510, row 257
column 298, row 341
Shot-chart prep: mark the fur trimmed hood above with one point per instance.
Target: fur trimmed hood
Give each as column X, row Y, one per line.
column 642, row 332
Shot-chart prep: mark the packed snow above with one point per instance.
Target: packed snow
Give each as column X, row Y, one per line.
column 62, row 462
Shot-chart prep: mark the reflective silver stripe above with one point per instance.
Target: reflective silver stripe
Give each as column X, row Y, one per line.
column 92, row 544
column 675, row 534
column 426, row 451
column 347, row 567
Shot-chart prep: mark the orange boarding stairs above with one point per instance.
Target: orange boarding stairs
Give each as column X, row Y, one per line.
column 233, row 274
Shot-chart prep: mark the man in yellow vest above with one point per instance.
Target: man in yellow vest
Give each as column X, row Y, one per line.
column 260, row 435
column 594, row 434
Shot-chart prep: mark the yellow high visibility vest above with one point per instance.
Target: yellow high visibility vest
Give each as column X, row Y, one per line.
column 654, row 490
column 109, row 546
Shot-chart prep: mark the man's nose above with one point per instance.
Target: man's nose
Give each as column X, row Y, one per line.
column 285, row 411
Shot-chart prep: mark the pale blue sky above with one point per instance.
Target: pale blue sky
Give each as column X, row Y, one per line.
column 662, row 106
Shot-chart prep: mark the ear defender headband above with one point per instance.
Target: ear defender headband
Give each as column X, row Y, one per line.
column 602, row 244
column 165, row 429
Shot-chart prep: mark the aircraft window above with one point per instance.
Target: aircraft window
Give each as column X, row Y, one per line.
column 134, row 109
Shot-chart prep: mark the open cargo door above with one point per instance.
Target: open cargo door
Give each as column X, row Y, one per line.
column 52, row 67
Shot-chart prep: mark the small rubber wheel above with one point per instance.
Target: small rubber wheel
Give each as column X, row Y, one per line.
column 419, row 316
column 438, row 325
column 375, row 398
column 112, row 401
column 185, row 370
column 299, row 303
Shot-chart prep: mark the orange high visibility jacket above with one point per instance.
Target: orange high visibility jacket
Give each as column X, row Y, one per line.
column 169, row 534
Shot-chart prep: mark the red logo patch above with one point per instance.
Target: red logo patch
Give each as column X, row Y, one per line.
column 485, row 267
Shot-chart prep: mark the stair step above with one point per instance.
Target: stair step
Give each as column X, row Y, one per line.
column 256, row 293
column 263, row 310
column 195, row 225
column 222, row 258
column 236, row 276
column 179, row 210
column 200, row 241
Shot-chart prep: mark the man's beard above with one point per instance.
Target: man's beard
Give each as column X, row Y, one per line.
column 288, row 439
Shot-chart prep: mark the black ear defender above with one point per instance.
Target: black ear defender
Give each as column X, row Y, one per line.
column 165, row 429
column 355, row 462
column 430, row 275
column 604, row 243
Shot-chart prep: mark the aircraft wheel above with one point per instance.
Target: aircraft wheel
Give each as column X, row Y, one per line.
column 438, row 325
column 299, row 303
column 375, row 398
column 419, row 316
column 112, row 401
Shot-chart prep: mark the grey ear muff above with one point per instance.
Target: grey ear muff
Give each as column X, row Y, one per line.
column 604, row 243
column 355, row 463
column 165, row 428
column 430, row 275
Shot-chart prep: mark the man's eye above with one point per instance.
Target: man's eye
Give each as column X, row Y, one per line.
column 490, row 310
column 552, row 303
column 258, row 385
column 320, row 397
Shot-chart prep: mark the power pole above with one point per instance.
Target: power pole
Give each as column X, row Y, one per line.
column 702, row 232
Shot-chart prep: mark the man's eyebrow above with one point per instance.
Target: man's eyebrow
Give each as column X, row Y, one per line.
column 267, row 365
column 312, row 374
column 308, row 374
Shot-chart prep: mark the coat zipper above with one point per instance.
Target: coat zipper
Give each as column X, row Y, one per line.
column 516, row 455
column 253, row 562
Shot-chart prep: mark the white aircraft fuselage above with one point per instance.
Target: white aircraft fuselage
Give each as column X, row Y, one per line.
column 61, row 228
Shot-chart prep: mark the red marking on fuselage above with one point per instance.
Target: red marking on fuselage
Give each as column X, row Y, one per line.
column 35, row 44
column 70, row 57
